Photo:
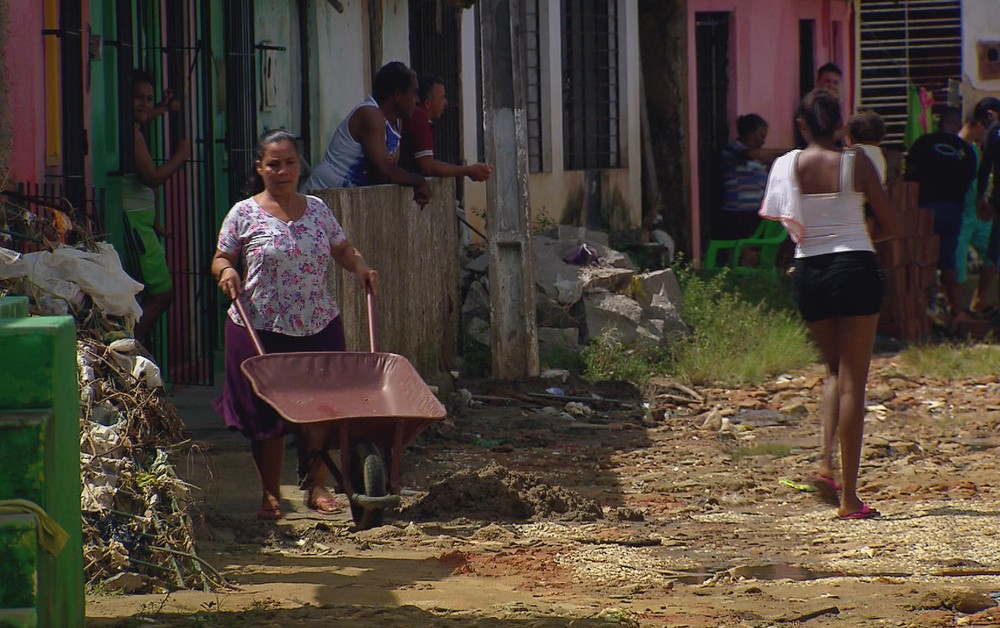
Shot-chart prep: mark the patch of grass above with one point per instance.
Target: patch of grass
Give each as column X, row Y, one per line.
column 736, row 341
column 607, row 359
column 955, row 361
column 774, row 450
column 746, row 329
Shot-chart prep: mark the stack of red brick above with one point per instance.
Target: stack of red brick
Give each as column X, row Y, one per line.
column 909, row 263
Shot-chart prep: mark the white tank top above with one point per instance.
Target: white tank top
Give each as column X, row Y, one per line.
column 344, row 165
column 834, row 222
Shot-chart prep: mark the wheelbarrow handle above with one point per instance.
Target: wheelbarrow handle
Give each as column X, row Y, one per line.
column 370, row 301
column 246, row 323
column 369, row 298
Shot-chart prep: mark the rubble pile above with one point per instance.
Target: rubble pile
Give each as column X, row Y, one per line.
column 137, row 528
column 584, row 290
column 136, row 511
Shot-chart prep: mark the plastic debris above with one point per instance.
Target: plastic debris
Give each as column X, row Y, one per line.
column 584, row 256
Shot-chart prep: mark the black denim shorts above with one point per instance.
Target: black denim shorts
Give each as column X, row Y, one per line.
column 837, row 285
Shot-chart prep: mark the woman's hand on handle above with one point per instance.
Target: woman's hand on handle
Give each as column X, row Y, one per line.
column 224, row 269
column 368, row 279
column 230, row 283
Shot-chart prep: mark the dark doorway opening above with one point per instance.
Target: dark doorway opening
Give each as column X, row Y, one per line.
column 712, row 62
column 435, row 48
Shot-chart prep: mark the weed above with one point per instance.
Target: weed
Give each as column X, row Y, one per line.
column 607, row 358
column 950, row 360
column 562, row 357
column 542, row 222
column 154, row 608
column 736, row 341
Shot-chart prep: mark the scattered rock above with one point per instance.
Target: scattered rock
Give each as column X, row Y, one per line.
column 127, row 582
column 494, row 533
column 566, row 338
column 966, row 601
column 625, row 514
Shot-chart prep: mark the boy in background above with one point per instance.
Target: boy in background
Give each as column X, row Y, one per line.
column 865, row 130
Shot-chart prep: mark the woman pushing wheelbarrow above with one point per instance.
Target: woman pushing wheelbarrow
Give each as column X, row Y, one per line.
column 283, row 240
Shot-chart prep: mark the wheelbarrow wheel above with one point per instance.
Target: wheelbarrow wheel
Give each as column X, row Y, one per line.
column 368, row 473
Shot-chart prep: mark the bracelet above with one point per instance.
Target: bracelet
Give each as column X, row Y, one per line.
column 224, row 270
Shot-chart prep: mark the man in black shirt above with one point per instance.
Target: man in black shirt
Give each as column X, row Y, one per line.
column 944, row 165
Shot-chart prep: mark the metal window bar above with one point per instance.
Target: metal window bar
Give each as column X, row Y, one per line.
column 241, row 105
column 533, row 84
column 590, row 84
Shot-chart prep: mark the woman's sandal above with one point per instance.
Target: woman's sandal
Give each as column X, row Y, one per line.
column 269, row 513
column 324, row 504
column 866, row 512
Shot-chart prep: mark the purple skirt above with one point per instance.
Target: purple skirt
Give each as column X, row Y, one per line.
column 239, row 406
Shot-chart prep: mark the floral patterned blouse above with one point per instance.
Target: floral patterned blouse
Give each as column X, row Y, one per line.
column 286, row 265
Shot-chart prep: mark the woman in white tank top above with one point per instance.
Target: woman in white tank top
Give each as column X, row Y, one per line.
column 819, row 194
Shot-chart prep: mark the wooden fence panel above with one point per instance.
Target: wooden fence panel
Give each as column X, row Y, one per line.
column 416, row 254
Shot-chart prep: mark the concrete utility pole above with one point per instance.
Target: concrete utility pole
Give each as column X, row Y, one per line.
column 514, row 336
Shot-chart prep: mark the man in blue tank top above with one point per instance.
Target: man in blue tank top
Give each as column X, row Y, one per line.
column 365, row 147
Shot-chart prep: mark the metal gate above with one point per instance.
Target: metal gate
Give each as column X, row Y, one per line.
column 171, row 41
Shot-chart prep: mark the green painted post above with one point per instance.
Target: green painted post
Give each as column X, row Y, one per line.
column 38, row 373
column 19, row 557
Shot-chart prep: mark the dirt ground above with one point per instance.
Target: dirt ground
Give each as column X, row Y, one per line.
column 517, row 513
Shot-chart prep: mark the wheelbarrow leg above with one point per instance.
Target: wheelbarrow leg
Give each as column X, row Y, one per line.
column 345, row 459
column 395, row 458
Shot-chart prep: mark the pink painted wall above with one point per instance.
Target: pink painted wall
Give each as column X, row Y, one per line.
column 25, row 60
column 764, row 67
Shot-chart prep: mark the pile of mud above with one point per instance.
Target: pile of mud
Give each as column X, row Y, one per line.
column 495, row 492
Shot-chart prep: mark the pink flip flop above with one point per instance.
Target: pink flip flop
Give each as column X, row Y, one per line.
column 865, row 513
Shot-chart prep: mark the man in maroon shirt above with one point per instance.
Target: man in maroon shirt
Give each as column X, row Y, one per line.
column 417, row 151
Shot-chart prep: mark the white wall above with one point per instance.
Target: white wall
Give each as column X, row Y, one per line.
column 980, row 22
column 396, row 31
column 337, row 69
column 339, row 65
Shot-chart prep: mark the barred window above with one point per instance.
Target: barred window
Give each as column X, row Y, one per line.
column 590, row 84
column 904, row 44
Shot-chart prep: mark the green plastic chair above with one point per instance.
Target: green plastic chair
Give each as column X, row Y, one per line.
column 768, row 237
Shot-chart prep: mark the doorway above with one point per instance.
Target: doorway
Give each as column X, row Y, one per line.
column 712, row 85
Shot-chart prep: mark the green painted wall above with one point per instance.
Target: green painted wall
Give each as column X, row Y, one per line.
column 43, row 379
column 104, row 120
